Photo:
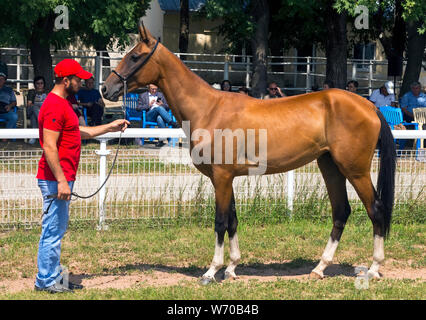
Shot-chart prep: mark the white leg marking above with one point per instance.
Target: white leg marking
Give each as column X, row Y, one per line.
column 235, row 256
column 217, row 262
column 378, row 257
column 327, row 257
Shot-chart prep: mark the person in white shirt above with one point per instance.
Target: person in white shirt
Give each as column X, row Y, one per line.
column 156, row 108
column 384, row 96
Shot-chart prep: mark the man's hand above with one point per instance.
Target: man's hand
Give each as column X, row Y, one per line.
column 8, row 107
column 280, row 92
column 152, row 103
column 118, row 125
column 64, row 191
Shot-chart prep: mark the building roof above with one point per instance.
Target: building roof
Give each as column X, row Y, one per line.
column 174, row 5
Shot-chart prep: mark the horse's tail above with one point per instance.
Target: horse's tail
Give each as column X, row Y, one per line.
column 386, row 178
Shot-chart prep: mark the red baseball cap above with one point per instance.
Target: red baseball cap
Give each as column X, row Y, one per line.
column 70, row 67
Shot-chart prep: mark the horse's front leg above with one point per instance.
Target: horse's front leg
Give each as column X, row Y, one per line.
column 224, row 204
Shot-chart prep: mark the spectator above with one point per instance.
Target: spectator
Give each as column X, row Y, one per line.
column 35, row 99
column 7, row 103
column 384, row 96
column 274, row 91
column 156, row 108
column 352, row 86
column 413, row 99
column 226, row 86
column 315, row 88
column 328, row 84
column 91, row 99
column 73, row 100
column 243, row 90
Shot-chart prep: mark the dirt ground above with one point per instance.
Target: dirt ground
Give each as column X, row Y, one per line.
column 164, row 276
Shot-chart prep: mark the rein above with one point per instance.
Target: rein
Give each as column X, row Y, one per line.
column 124, row 80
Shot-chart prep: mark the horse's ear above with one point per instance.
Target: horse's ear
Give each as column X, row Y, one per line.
column 144, row 33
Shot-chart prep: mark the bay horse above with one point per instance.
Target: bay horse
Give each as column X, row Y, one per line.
column 337, row 128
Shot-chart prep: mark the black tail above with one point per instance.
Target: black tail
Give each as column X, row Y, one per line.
column 386, row 179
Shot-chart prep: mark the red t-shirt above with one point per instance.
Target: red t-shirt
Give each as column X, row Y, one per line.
column 58, row 115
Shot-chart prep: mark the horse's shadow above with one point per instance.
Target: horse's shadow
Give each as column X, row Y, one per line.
column 294, row 268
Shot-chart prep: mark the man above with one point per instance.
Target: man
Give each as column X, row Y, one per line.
column 274, row 91
column 35, row 99
column 7, row 103
column 384, row 96
column 60, row 137
column 413, row 99
column 156, row 106
column 91, row 99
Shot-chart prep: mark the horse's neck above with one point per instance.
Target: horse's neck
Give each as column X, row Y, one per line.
column 187, row 94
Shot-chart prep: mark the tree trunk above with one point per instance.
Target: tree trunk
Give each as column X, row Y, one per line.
column 259, row 44
column 336, row 47
column 40, row 49
column 415, row 48
column 184, row 26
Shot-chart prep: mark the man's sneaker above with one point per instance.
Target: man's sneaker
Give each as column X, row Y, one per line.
column 32, row 141
column 56, row 288
column 159, row 144
column 174, row 124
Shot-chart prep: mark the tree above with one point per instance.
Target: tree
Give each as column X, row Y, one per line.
column 96, row 23
column 245, row 22
column 400, row 26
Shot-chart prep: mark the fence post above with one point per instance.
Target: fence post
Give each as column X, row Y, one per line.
column 308, row 74
column 370, row 78
column 18, row 70
column 103, row 153
column 226, row 68
column 98, row 66
column 290, row 191
column 247, row 71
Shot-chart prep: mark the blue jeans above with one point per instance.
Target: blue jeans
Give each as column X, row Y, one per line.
column 54, row 225
column 159, row 115
column 11, row 118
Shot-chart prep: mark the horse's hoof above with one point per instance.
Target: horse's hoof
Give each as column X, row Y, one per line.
column 315, row 275
column 206, row 281
column 374, row 275
column 230, row 276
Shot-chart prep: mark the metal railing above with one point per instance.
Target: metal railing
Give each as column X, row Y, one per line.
column 299, row 73
column 162, row 184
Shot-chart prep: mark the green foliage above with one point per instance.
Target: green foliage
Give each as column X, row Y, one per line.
column 95, row 22
column 414, row 10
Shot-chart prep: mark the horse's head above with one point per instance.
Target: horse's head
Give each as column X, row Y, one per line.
column 137, row 67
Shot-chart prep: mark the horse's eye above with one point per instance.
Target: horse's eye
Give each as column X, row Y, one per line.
column 135, row 57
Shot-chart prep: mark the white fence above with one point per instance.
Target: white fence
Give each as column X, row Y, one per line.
column 162, row 184
column 296, row 74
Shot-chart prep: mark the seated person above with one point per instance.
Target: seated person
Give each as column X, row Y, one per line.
column 384, row 96
column 274, row 91
column 156, row 108
column 35, row 99
column 226, row 86
column 413, row 99
column 243, row 90
column 72, row 99
column 328, row 84
column 352, row 86
column 7, row 103
column 91, row 99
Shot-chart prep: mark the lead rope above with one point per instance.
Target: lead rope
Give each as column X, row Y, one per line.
column 55, row 195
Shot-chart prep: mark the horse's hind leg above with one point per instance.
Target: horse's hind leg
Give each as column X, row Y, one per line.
column 336, row 186
column 233, row 241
